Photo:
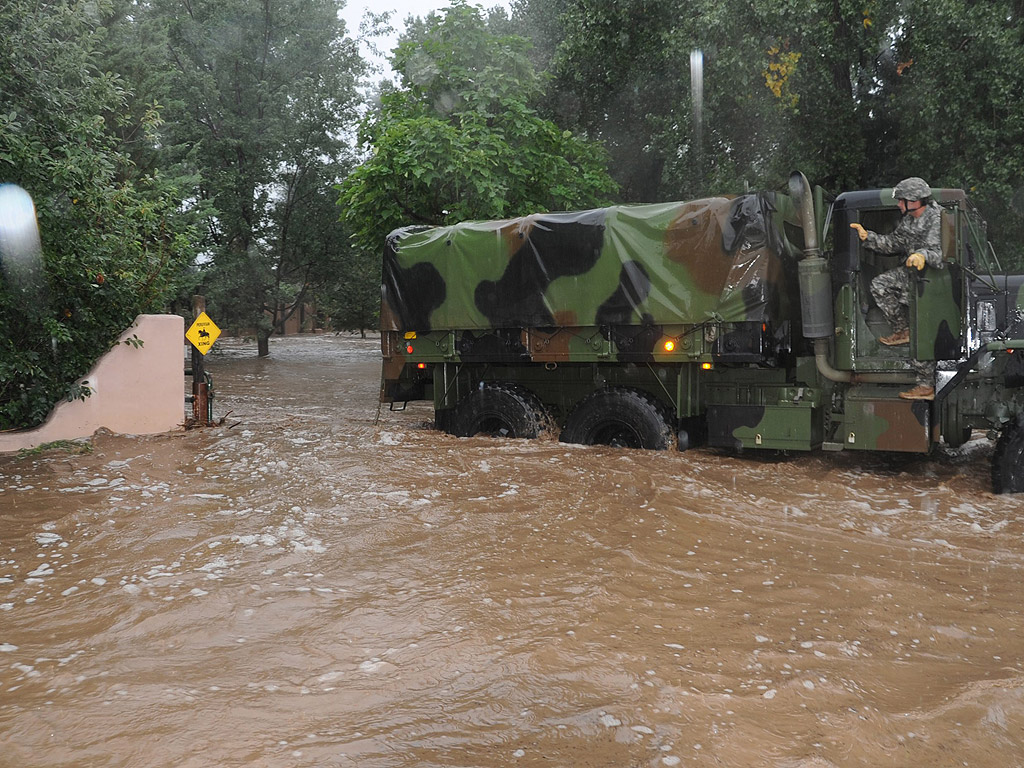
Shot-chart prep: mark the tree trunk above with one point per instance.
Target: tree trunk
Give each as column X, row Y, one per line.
column 262, row 344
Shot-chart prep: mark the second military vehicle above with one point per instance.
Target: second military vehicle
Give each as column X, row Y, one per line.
column 739, row 322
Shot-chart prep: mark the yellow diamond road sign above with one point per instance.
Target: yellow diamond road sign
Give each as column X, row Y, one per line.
column 203, row 333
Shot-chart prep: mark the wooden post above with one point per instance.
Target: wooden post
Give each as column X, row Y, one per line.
column 200, row 393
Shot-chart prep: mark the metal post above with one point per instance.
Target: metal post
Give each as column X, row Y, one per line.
column 200, row 391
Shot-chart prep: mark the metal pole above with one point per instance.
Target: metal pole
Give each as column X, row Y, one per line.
column 200, row 393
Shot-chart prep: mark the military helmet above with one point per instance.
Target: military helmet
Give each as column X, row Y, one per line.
column 912, row 189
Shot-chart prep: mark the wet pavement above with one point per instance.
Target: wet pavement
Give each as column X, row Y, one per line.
column 303, row 587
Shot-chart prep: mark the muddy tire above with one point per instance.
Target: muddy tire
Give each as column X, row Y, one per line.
column 623, row 418
column 1008, row 459
column 498, row 410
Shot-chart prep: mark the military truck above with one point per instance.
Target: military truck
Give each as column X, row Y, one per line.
column 738, row 322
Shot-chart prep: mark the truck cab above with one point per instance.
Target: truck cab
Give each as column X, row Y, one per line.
column 937, row 301
column 961, row 316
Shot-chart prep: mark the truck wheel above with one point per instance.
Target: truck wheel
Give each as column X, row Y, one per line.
column 623, row 418
column 444, row 420
column 1008, row 460
column 499, row 410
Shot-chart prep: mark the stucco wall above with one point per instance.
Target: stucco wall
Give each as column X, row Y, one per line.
column 135, row 390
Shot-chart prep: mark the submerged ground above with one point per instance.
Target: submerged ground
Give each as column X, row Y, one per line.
column 303, row 587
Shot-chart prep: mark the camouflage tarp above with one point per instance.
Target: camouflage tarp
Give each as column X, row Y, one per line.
column 718, row 258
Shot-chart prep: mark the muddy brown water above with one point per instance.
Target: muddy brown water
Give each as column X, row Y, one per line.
column 302, row 587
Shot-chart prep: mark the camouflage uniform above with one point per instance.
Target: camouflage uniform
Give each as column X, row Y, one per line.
column 891, row 289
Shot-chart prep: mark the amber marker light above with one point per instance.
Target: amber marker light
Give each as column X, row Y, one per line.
column 706, row 366
column 421, row 366
column 670, row 345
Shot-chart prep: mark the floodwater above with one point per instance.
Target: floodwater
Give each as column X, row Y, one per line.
column 303, row 587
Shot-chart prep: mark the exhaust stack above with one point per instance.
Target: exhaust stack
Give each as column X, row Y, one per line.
column 816, row 295
column 815, row 280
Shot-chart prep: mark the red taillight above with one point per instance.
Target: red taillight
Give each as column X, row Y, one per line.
column 409, row 349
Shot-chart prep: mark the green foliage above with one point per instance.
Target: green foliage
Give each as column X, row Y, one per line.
column 856, row 93
column 962, row 118
column 66, row 447
column 771, row 72
column 619, row 77
column 351, row 298
column 263, row 93
column 114, row 242
column 461, row 137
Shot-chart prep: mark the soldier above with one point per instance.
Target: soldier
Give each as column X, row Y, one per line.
column 918, row 235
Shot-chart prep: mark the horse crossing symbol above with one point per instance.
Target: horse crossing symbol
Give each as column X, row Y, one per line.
column 203, row 333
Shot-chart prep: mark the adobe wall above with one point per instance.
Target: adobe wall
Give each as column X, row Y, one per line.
column 135, row 390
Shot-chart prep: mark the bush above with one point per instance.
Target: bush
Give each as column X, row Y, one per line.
column 113, row 246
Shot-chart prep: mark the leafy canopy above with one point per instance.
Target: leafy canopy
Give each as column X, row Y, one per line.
column 857, row 93
column 261, row 96
column 460, row 137
column 114, row 242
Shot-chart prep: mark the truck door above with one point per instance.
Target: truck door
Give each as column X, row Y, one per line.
column 936, row 304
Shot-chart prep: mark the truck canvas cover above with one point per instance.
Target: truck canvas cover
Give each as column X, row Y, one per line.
column 717, row 259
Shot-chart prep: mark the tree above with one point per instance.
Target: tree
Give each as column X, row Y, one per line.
column 779, row 85
column 961, row 120
column 857, row 94
column 114, row 242
column 618, row 75
column 807, row 87
column 265, row 92
column 460, row 137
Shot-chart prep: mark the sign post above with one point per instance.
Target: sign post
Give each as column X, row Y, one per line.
column 201, row 334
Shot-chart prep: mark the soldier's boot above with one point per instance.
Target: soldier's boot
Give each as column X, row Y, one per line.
column 896, row 339
column 920, row 392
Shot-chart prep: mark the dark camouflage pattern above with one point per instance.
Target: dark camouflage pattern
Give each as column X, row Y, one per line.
column 697, row 305
column 721, row 259
column 891, row 289
column 914, row 234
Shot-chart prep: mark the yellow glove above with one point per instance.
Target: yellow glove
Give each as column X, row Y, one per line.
column 916, row 260
column 861, row 232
